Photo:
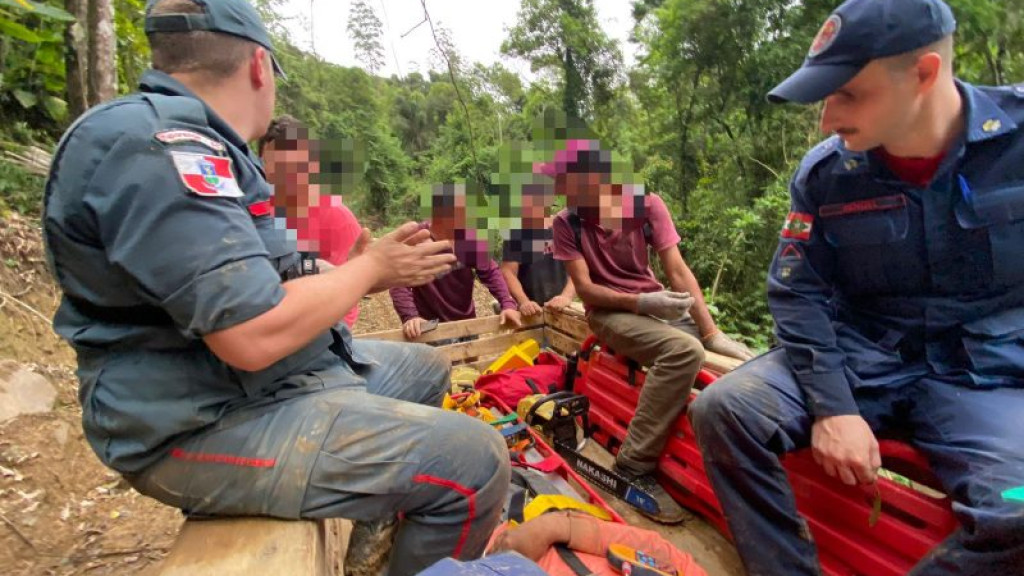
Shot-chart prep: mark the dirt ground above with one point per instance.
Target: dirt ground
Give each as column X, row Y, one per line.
column 61, row 511
column 64, row 513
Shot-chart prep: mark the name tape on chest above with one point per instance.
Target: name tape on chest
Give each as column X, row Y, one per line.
column 208, row 176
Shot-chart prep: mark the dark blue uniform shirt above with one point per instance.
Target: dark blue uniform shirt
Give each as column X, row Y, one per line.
column 153, row 232
column 876, row 282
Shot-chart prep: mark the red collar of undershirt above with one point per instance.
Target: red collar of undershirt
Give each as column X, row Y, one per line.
column 915, row 171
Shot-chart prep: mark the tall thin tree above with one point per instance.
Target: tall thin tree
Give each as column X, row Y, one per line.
column 102, row 52
column 366, row 30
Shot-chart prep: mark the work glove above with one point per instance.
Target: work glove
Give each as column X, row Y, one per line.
column 666, row 304
column 719, row 343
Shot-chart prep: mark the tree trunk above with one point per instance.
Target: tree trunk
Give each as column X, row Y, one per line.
column 75, row 56
column 102, row 52
column 572, row 98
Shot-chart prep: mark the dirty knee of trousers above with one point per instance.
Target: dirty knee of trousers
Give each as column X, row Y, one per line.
column 678, row 362
column 472, row 454
column 684, row 350
column 436, row 369
column 714, row 406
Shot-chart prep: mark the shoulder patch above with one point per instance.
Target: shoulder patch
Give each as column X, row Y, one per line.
column 176, row 136
column 798, row 226
column 204, row 175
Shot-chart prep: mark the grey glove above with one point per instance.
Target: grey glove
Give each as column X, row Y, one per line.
column 666, row 304
column 719, row 343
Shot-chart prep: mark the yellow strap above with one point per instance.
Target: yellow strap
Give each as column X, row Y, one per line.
column 469, row 406
column 545, row 502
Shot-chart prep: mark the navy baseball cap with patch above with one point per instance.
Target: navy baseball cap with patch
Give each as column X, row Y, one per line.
column 235, row 17
column 858, row 32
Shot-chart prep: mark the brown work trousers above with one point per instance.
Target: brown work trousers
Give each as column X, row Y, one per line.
column 672, row 354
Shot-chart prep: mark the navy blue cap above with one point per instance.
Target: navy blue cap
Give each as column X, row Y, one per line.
column 235, row 17
column 858, row 32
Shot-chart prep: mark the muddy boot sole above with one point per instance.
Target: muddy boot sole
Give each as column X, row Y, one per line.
column 369, row 547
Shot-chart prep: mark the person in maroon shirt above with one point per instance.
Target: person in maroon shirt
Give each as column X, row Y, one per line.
column 603, row 237
column 450, row 297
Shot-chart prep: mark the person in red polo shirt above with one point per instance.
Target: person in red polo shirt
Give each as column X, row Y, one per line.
column 323, row 226
column 603, row 237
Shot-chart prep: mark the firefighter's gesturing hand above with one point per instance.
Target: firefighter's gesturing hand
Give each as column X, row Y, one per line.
column 666, row 304
column 408, row 257
column 846, row 447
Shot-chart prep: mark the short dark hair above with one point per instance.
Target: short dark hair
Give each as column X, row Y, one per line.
column 285, row 133
column 199, row 51
column 590, row 162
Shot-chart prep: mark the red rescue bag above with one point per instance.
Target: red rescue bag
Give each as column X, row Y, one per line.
column 547, row 375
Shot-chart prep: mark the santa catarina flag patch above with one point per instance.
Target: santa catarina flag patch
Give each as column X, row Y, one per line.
column 798, row 226
column 205, row 175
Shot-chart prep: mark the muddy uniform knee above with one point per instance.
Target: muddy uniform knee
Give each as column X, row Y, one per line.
column 437, row 370
column 433, row 369
column 718, row 405
column 473, row 455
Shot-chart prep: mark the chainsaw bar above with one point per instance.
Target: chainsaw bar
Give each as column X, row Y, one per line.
column 611, row 481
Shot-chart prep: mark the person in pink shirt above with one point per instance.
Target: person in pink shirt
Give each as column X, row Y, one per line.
column 604, row 237
column 323, row 227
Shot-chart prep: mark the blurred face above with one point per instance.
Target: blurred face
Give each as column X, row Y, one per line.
column 445, row 220
column 535, row 211
column 595, row 198
column 877, row 107
column 290, row 169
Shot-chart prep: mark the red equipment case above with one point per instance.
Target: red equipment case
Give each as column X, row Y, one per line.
column 911, row 522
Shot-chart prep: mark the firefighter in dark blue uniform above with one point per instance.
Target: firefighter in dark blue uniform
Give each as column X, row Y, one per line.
column 215, row 373
column 898, row 295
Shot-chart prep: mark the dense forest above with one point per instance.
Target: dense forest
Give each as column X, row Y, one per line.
column 689, row 115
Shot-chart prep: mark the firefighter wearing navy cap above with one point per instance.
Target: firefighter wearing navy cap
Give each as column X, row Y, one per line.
column 898, row 295
column 215, row 374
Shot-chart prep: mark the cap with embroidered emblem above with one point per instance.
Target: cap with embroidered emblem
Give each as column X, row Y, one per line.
column 858, row 32
column 235, row 17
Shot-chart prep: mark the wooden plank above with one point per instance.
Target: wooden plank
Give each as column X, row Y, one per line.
column 247, row 546
column 480, row 364
column 335, row 533
column 719, row 364
column 457, row 329
column 561, row 343
column 571, row 324
column 459, row 353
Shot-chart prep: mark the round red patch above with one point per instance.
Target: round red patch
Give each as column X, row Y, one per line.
column 826, row 36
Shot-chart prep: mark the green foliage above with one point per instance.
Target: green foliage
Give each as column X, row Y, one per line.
column 20, row 191
column 691, row 113
column 132, row 46
column 366, row 30
column 562, row 36
column 32, row 61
